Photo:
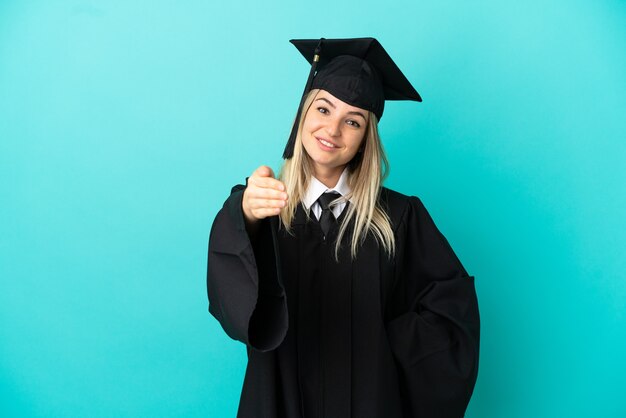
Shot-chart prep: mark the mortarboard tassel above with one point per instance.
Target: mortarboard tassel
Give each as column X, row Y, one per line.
column 288, row 153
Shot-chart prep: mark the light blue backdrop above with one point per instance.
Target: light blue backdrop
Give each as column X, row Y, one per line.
column 123, row 125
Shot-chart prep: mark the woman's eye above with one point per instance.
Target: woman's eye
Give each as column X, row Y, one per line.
column 322, row 110
column 354, row 123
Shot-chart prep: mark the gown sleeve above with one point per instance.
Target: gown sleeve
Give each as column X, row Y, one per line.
column 243, row 278
column 434, row 333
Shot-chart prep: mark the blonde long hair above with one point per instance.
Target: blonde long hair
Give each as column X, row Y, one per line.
column 366, row 173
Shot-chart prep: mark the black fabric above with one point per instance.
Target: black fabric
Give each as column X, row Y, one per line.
column 327, row 218
column 374, row 337
column 393, row 84
column 354, row 81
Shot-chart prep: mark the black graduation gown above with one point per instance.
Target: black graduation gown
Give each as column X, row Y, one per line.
column 375, row 337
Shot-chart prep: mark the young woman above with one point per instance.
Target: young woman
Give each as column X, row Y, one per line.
column 349, row 299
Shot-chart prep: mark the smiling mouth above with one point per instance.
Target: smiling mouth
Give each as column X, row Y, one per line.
column 326, row 143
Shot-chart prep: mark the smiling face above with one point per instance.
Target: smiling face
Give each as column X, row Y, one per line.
column 332, row 134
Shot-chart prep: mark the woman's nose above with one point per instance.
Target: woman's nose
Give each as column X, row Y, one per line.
column 333, row 128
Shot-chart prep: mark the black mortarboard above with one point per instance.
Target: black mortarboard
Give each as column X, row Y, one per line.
column 357, row 71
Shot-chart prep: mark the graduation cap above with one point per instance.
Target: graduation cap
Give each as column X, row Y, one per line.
column 357, row 71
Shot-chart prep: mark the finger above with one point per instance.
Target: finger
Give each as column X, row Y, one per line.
column 267, row 203
column 264, row 171
column 266, row 193
column 269, row 183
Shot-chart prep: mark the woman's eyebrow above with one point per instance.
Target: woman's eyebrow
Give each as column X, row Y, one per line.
column 327, row 101
column 357, row 114
column 353, row 112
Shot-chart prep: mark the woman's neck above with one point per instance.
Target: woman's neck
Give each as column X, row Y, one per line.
column 329, row 177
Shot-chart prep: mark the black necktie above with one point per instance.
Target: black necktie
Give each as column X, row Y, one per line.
column 327, row 219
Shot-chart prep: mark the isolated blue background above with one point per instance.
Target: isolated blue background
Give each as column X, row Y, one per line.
column 123, row 125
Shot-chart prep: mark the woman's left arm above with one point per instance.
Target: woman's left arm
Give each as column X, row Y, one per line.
column 434, row 331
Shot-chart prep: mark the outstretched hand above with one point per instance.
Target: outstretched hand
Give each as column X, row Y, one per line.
column 264, row 196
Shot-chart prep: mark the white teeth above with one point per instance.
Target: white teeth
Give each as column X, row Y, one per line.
column 328, row 144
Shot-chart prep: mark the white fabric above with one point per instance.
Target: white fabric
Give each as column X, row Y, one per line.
column 317, row 188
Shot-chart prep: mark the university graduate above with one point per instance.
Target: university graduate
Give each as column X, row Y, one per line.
column 349, row 299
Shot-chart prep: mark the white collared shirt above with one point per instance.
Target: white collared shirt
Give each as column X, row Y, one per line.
column 317, row 188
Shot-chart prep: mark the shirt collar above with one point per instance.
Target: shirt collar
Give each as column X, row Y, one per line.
column 317, row 188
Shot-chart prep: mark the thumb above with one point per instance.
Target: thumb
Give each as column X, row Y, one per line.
column 265, row 171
